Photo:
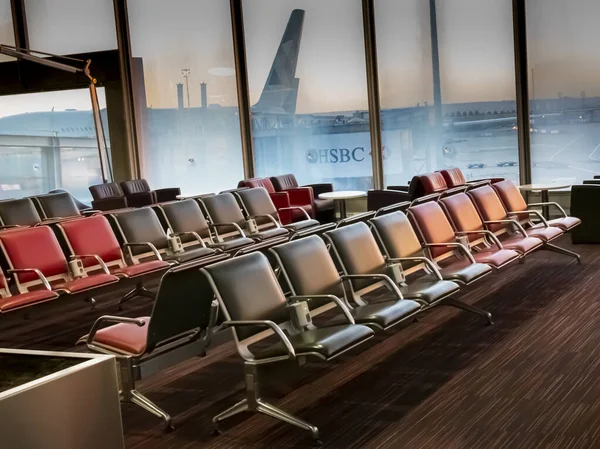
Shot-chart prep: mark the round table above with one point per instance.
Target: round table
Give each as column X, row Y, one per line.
column 544, row 188
column 340, row 198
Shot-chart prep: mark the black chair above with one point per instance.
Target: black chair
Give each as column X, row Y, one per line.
column 21, row 212
column 143, row 237
column 185, row 219
column 312, row 276
column 138, row 193
column 56, row 205
column 255, row 308
column 363, row 264
column 584, row 205
column 108, row 196
column 178, row 329
column 81, row 206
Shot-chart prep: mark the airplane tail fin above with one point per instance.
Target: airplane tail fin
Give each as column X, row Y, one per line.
column 280, row 93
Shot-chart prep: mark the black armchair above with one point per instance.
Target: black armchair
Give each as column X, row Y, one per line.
column 584, row 201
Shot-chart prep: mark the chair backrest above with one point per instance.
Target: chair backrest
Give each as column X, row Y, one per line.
column 135, row 186
column 284, row 182
column 186, row 216
column 489, row 206
column 454, row 177
column 108, row 190
column 397, row 235
column 433, row 183
column 92, row 235
column 58, row 205
column 258, row 182
column 223, row 208
column 432, row 225
column 357, row 252
column 247, row 288
column 81, row 206
column 415, row 187
column 35, row 247
column 462, row 214
column 510, row 195
column 141, row 225
column 21, row 212
column 309, row 268
column 182, row 306
column 256, row 201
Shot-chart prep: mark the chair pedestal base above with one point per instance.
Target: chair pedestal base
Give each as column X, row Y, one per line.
column 559, row 250
column 139, row 290
column 253, row 403
column 452, row 302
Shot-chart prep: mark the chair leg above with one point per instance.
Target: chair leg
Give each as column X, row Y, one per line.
column 254, row 403
column 452, row 302
column 139, row 399
column 560, row 250
column 139, row 290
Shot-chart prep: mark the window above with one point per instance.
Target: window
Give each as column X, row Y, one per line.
column 564, row 89
column 187, row 100
column 7, row 35
column 67, row 27
column 306, row 64
column 48, row 141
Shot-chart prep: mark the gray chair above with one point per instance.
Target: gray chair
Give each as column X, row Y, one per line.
column 21, row 212
column 57, row 205
column 363, row 264
column 255, row 307
column 144, row 238
column 312, row 276
column 400, row 243
column 178, row 329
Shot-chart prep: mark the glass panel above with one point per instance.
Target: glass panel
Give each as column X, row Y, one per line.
column 564, row 62
column 48, row 141
column 309, row 92
column 66, row 27
column 187, row 100
column 7, row 35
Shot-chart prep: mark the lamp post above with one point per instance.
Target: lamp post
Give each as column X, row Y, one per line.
column 186, row 74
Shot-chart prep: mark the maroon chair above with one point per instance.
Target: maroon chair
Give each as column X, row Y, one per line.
column 10, row 302
column 433, row 183
column 324, row 209
column 108, row 196
column 139, row 194
column 285, row 201
column 454, row 177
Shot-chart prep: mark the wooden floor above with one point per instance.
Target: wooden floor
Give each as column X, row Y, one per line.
column 448, row 381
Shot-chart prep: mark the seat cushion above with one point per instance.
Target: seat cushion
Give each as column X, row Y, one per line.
column 142, row 268
column 186, row 256
column 304, row 224
column 545, row 234
column 326, row 341
column 463, row 271
column 323, row 205
column 521, row 244
column 427, row 290
column 26, row 299
column 496, row 258
column 385, row 314
column 270, row 233
column 565, row 223
column 232, row 244
column 127, row 338
column 87, row 283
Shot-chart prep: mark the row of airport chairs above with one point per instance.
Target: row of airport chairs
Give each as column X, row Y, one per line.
column 422, row 257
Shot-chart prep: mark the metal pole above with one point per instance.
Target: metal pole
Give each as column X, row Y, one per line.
column 435, row 64
column 20, row 23
column 522, row 88
column 368, row 10
column 241, row 71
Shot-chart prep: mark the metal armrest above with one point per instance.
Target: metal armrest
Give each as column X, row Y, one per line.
column 296, row 208
column 271, row 325
column 531, row 212
column 235, row 225
column 381, row 277
column 332, row 298
column 212, row 321
column 92, row 256
column 490, row 234
column 550, row 203
column 111, row 319
column 269, row 217
column 193, row 234
column 33, row 270
column 424, row 260
column 9, row 226
column 466, row 251
column 513, row 222
column 147, row 245
column 89, row 212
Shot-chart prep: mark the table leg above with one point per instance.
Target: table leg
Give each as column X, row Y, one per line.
column 545, row 209
column 342, row 206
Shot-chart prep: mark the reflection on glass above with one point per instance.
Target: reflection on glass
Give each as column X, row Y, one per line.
column 186, row 94
column 564, row 62
column 307, row 80
column 48, row 141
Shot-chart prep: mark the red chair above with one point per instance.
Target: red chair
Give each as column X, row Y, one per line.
column 454, row 177
column 298, row 197
column 36, row 258
column 433, row 183
column 93, row 240
column 10, row 302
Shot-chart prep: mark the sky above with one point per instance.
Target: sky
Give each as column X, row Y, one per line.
column 475, row 43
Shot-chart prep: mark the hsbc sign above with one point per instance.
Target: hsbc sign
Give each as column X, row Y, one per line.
column 339, row 155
